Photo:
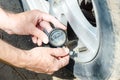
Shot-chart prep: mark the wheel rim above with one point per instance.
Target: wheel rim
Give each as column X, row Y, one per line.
column 88, row 35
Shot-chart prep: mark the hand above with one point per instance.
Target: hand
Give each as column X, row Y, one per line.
column 46, row 60
column 32, row 23
column 39, row 59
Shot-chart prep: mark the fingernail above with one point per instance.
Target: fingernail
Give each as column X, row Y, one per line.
column 45, row 40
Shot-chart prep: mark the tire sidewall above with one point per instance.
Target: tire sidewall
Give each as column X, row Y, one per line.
column 100, row 68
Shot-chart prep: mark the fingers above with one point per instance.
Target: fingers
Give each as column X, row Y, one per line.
column 49, row 18
column 38, row 35
column 39, row 42
column 45, row 25
column 58, row 64
column 41, row 60
column 34, row 39
column 43, row 22
column 63, row 61
column 60, row 52
column 42, row 37
column 61, row 58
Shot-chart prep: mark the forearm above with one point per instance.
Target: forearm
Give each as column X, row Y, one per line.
column 13, row 23
column 11, row 55
column 6, row 21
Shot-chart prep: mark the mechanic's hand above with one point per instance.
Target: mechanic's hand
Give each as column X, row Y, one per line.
column 47, row 60
column 32, row 23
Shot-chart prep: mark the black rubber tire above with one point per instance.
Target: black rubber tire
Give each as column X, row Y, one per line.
column 107, row 61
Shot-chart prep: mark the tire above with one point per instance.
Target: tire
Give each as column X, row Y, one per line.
column 105, row 65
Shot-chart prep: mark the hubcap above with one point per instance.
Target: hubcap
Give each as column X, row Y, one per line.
column 87, row 34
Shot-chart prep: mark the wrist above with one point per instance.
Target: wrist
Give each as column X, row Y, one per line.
column 17, row 22
column 12, row 55
column 22, row 59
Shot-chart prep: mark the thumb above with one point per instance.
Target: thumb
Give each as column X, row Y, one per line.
column 60, row 52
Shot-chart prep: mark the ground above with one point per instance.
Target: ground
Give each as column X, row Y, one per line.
column 23, row 42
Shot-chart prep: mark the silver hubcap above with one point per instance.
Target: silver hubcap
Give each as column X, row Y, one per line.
column 87, row 34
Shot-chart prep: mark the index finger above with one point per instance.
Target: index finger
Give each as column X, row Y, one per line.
column 53, row 20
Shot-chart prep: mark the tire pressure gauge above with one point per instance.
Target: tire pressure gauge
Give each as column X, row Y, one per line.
column 57, row 37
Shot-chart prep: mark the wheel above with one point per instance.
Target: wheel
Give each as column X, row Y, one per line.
column 95, row 30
